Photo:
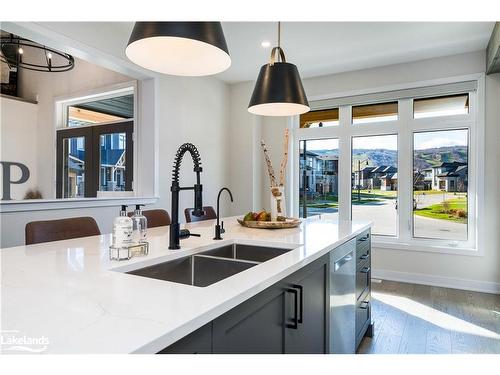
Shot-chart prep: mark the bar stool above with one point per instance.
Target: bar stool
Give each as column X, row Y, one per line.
column 61, row 229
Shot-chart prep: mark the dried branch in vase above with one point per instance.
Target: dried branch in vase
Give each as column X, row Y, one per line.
column 284, row 159
column 270, row 169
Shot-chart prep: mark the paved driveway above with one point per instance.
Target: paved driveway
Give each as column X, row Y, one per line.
column 384, row 216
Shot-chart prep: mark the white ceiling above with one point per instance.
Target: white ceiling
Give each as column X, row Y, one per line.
column 317, row 48
column 320, row 48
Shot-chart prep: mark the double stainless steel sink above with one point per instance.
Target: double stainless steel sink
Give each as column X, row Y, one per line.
column 211, row 266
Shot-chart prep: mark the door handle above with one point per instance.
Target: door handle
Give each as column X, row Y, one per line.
column 301, row 306
column 365, row 270
column 364, row 256
column 295, row 324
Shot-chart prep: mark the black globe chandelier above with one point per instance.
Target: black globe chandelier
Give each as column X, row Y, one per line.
column 26, row 54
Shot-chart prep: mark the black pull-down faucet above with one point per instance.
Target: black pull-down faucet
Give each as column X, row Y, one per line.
column 175, row 233
column 218, row 229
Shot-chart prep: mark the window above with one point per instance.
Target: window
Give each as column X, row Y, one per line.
column 320, row 119
column 95, row 148
column 417, row 173
column 363, row 114
column 440, row 180
column 375, row 182
column 318, row 186
column 441, row 106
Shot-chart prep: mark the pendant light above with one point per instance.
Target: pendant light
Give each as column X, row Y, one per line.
column 179, row 48
column 278, row 90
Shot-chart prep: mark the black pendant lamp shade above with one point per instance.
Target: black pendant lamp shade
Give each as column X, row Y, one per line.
column 179, row 48
column 278, row 90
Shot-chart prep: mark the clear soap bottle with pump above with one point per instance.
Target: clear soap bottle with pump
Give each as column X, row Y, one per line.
column 139, row 225
column 122, row 230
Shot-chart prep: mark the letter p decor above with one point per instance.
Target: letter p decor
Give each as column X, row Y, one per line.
column 6, row 181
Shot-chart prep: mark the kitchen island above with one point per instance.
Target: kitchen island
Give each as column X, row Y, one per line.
column 70, row 293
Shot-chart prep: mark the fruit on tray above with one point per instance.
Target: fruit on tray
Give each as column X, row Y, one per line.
column 258, row 216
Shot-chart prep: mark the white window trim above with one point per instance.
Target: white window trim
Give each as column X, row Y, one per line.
column 62, row 103
column 404, row 127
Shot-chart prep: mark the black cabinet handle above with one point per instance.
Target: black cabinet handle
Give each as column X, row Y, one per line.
column 365, row 306
column 295, row 324
column 301, row 306
column 365, row 270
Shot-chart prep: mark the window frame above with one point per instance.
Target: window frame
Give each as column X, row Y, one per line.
column 92, row 136
column 404, row 128
column 105, row 92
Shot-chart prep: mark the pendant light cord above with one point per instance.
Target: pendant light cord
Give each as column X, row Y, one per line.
column 278, row 50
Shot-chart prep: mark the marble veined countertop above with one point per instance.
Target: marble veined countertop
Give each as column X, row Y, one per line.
column 68, row 297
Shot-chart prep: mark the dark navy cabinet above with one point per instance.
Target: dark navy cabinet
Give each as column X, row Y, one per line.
column 291, row 316
column 197, row 342
column 310, row 336
column 255, row 326
column 288, row 317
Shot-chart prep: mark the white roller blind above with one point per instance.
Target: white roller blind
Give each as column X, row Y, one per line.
column 387, row 96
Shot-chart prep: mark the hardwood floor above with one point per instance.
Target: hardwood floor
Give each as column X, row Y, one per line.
column 420, row 319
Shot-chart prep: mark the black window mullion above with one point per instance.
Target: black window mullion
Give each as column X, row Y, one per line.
column 62, row 135
column 97, row 131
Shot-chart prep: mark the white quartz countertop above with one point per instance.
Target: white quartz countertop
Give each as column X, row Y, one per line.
column 70, row 294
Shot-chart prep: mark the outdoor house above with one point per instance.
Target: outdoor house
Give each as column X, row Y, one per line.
column 382, row 177
column 450, row 177
column 320, row 173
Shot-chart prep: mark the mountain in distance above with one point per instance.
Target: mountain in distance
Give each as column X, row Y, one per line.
column 432, row 157
column 423, row 159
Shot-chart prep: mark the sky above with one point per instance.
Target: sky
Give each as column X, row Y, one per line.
column 422, row 141
column 387, row 142
column 322, row 144
column 448, row 138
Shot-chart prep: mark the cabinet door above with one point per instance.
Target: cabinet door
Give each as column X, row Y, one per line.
column 198, row 342
column 310, row 336
column 255, row 327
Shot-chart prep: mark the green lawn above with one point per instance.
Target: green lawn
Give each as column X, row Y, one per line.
column 322, row 205
column 437, row 211
column 371, row 196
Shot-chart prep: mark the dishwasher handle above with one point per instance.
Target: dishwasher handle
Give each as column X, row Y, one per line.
column 339, row 263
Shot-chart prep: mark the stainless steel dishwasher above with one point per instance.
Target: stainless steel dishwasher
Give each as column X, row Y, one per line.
column 343, row 298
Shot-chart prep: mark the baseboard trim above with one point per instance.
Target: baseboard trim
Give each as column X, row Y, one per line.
column 442, row 281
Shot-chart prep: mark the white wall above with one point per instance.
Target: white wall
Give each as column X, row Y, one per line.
column 45, row 87
column 193, row 110
column 189, row 110
column 18, row 142
column 442, row 269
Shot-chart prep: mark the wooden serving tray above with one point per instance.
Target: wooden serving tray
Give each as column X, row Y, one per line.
column 289, row 223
